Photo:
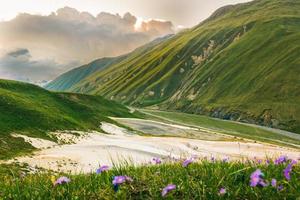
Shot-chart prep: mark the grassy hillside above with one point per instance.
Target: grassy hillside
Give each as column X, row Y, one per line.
column 201, row 180
column 67, row 80
column 70, row 78
column 31, row 110
column 248, row 131
column 240, row 64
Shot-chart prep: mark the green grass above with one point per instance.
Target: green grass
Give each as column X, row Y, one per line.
column 30, row 110
column 222, row 126
column 198, row 181
column 251, row 72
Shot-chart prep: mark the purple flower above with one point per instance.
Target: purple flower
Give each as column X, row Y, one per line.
column 274, row 183
column 167, row 189
column 280, row 187
column 187, row 162
column 259, row 161
column 118, row 180
column 226, row 159
column 268, row 162
column 280, row 160
column 156, row 161
column 102, row 169
column 294, row 162
column 62, row 180
column 212, row 159
column 222, row 191
column 256, row 179
column 287, row 171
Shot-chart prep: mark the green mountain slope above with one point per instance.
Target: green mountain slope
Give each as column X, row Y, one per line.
column 243, row 63
column 67, row 80
column 31, row 110
column 70, row 78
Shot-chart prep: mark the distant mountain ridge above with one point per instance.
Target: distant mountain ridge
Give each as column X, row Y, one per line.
column 67, row 80
column 242, row 63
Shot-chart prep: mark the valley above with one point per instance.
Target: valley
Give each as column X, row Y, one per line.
column 240, row 64
column 121, row 107
column 110, row 133
column 119, row 146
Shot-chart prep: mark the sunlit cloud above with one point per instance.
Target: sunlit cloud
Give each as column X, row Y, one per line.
column 69, row 36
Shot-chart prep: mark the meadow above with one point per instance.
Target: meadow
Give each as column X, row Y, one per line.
column 227, row 127
column 30, row 110
column 194, row 178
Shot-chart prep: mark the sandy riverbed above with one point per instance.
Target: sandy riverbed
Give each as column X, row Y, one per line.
column 93, row 149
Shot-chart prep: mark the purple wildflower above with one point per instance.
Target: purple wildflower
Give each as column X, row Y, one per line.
column 62, row 180
column 222, row 191
column 187, row 162
column 287, row 171
column 226, row 159
column 118, row 180
column 280, row 187
column 213, row 159
column 257, row 179
column 268, row 162
column 156, row 161
column 274, row 183
column 293, row 162
column 259, row 161
column 167, row 189
column 102, row 169
column 280, row 160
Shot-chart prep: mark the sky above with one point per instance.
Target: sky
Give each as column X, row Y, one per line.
column 181, row 12
column 40, row 39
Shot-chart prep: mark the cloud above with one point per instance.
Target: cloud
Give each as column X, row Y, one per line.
column 19, row 65
column 19, row 52
column 48, row 44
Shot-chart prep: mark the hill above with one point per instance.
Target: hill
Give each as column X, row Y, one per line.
column 241, row 64
column 33, row 111
column 72, row 77
column 67, row 80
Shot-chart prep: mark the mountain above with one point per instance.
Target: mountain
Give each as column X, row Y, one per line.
column 30, row 110
column 242, row 63
column 72, row 77
column 67, row 80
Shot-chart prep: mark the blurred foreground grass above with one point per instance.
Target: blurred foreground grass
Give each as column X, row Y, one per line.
column 200, row 180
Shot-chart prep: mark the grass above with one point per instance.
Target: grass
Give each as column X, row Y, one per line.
column 30, row 110
column 222, row 126
column 201, row 180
